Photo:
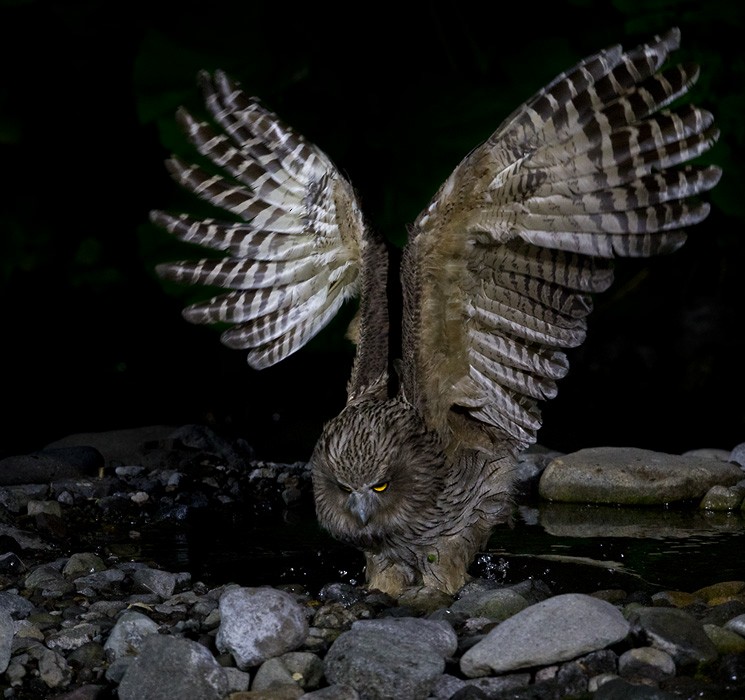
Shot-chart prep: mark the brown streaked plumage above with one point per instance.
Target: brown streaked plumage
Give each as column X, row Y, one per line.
column 497, row 278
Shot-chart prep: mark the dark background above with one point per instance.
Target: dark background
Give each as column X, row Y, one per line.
column 90, row 339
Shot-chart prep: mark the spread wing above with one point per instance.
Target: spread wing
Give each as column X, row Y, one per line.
column 500, row 268
column 292, row 229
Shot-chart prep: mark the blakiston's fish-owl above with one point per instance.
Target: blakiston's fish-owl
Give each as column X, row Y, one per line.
column 497, row 277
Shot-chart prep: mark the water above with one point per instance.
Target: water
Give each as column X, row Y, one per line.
column 570, row 547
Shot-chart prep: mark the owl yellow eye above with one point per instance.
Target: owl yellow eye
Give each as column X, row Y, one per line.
column 380, row 487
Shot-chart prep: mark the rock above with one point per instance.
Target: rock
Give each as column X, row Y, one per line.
column 50, row 464
column 646, row 662
column 497, row 605
column 723, row 498
column 82, row 564
column 271, row 674
column 737, row 624
column 172, row 667
column 632, row 476
column 128, row 635
column 553, row 630
column 738, row 454
column 385, row 660
column 675, row 632
column 54, row 670
column 139, row 446
column 725, row 640
column 7, row 630
column 259, row 623
column 49, row 581
column 161, row 583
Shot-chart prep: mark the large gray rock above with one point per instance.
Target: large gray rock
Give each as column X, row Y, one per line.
column 632, row 476
column 394, row 658
column 557, row 629
column 170, row 667
column 257, row 624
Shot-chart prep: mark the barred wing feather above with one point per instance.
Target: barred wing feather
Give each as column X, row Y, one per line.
column 294, row 247
column 501, row 267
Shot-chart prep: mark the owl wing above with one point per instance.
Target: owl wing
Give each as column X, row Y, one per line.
column 500, row 267
column 293, row 230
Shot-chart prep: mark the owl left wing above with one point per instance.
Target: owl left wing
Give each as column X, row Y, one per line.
column 500, row 268
column 296, row 239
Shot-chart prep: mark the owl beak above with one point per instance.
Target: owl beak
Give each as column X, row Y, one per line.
column 359, row 506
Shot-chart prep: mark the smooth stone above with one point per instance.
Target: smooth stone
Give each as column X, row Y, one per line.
column 497, row 605
column 738, row 454
column 170, row 667
column 722, row 498
column 725, row 640
column 272, row 673
column 720, row 590
column 556, row 629
column 737, row 624
column 378, row 663
column 257, row 624
column 675, row 632
column 632, row 476
column 435, row 633
column 646, row 662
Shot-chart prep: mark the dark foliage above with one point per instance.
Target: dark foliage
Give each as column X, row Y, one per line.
column 91, row 340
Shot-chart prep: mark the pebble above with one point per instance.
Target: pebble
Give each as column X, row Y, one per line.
column 85, row 624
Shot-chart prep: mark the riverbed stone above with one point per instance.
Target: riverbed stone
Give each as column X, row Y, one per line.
column 557, row 629
column 6, row 639
column 259, row 623
column 646, row 662
column 128, row 634
column 378, row 662
column 675, row 632
column 497, row 605
column 173, row 667
column 723, row 498
column 633, row 476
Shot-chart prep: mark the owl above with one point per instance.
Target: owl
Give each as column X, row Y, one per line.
column 496, row 283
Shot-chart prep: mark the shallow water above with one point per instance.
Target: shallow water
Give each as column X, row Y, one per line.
column 570, row 547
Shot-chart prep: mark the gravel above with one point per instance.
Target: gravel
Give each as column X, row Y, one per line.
column 85, row 614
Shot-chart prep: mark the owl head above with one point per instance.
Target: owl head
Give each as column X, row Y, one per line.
column 376, row 469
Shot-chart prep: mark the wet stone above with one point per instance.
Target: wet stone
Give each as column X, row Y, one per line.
column 83, row 647
column 675, row 632
column 553, row 630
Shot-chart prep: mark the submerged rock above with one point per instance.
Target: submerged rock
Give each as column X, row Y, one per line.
column 631, row 476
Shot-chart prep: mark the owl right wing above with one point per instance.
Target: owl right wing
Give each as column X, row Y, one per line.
column 500, row 269
column 291, row 228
